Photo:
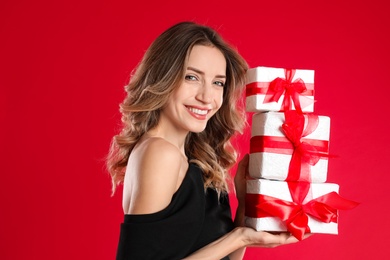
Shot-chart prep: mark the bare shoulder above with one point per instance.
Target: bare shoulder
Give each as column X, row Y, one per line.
column 158, row 150
column 154, row 170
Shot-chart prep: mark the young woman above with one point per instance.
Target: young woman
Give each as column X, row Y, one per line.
column 174, row 152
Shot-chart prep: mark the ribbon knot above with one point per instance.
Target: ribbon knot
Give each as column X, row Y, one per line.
column 291, row 90
column 304, row 154
column 308, row 153
column 296, row 215
column 297, row 223
column 297, row 144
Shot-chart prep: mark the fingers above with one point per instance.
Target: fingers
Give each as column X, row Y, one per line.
column 287, row 238
column 281, row 239
column 271, row 240
column 290, row 239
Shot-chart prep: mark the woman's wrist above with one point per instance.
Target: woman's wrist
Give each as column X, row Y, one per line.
column 242, row 235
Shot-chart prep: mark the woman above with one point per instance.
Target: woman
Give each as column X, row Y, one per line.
column 174, row 151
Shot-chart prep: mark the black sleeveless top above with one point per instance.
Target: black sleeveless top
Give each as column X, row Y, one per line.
column 193, row 219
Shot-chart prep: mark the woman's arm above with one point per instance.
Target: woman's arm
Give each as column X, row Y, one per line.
column 232, row 243
column 240, row 190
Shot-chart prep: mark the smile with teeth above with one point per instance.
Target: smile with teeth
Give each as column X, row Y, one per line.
column 198, row 111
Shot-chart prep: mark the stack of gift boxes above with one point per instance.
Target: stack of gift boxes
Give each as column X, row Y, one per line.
column 289, row 153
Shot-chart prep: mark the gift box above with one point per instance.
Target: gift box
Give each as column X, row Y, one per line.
column 271, row 207
column 289, row 146
column 278, row 89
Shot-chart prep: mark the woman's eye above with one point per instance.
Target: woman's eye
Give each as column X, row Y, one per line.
column 190, row 77
column 220, row 83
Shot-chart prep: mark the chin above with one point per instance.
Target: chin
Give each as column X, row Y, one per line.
column 197, row 126
column 198, row 129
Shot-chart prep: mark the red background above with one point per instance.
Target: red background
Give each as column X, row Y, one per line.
column 63, row 68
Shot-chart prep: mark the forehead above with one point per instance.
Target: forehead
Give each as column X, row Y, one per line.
column 205, row 57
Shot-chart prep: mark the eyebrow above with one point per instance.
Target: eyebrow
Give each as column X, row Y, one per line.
column 202, row 73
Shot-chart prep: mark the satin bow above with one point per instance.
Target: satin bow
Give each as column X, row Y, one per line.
column 296, row 215
column 291, row 90
column 304, row 154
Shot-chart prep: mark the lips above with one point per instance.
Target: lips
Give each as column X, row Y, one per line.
column 198, row 111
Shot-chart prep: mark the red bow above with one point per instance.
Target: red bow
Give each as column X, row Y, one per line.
column 291, row 90
column 296, row 215
column 304, row 155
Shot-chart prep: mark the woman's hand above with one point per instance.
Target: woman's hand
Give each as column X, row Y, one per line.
column 253, row 238
column 235, row 242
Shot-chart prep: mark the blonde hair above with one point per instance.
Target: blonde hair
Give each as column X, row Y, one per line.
column 158, row 74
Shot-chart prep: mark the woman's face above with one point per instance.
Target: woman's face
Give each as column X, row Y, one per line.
column 200, row 93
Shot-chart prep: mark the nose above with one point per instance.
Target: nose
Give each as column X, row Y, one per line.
column 205, row 93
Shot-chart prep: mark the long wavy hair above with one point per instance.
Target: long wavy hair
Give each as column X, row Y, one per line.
column 158, row 74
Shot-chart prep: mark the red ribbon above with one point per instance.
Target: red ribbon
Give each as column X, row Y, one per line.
column 296, row 215
column 291, row 90
column 255, row 88
column 305, row 155
column 275, row 89
column 305, row 152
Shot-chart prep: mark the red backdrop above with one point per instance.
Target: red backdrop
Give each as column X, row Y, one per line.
column 63, row 65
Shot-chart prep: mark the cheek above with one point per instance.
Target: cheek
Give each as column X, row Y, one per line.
column 219, row 99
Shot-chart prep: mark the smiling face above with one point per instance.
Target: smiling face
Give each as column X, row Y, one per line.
column 200, row 94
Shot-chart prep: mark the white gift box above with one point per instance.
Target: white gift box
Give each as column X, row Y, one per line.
column 271, row 163
column 280, row 190
column 258, row 80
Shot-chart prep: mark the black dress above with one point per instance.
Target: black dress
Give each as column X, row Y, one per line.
column 192, row 220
